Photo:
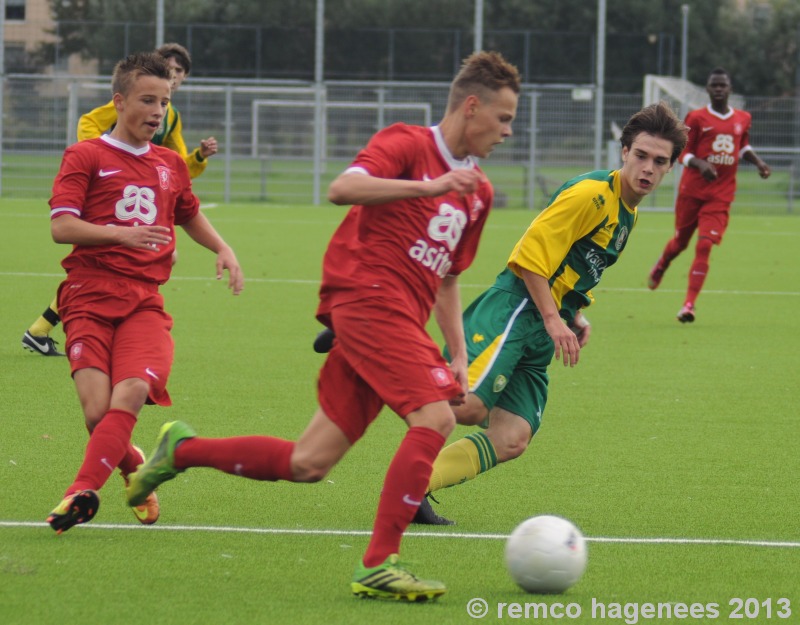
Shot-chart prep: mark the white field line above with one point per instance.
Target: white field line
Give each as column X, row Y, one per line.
column 412, row 534
column 22, row 274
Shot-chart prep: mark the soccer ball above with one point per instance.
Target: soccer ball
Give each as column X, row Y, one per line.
column 546, row 554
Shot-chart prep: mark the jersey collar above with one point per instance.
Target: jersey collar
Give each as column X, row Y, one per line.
column 452, row 161
column 720, row 116
column 124, row 146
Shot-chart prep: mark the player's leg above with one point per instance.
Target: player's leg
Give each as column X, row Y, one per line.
column 143, row 343
column 501, row 332
column 107, row 445
column 263, row 458
column 324, row 442
column 37, row 337
column 380, row 574
column 402, row 366
column 128, row 336
column 512, row 424
column 712, row 223
column 686, row 220
column 93, row 385
column 110, row 438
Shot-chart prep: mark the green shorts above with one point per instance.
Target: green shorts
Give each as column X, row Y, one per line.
column 509, row 351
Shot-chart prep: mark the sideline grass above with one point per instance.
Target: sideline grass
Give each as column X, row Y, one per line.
column 662, row 431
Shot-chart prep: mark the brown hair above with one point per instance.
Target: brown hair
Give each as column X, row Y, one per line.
column 482, row 74
column 132, row 66
column 658, row 120
column 179, row 53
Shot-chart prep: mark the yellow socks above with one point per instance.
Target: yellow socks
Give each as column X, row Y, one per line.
column 462, row 461
column 48, row 320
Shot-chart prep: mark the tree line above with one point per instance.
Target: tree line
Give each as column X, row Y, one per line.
column 758, row 42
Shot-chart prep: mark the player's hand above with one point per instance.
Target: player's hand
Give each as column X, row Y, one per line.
column 208, row 147
column 459, row 368
column 144, row 237
column 707, row 170
column 462, row 181
column 582, row 329
column 764, row 170
column 226, row 259
column 567, row 347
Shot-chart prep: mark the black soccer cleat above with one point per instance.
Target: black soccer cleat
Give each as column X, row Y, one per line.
column 426, row 515
column 324, row 341
column 43, row 345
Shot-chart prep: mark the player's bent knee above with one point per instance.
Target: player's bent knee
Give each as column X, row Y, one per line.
column 443, row 426
column 511, row 449
column 308, row 472
column 92, row 417
column 437, row 416
column 472, row 412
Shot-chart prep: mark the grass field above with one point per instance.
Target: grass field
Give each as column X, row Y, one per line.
column 281, row 182
column 673, row 447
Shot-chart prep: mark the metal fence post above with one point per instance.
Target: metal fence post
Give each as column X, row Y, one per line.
column 532, row 131
column 228, row 142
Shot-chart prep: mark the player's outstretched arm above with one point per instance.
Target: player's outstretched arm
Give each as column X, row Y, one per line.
column 361, row 188
column 202, row 232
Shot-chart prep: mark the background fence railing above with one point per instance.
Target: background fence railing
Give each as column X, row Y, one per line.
column 283, row 141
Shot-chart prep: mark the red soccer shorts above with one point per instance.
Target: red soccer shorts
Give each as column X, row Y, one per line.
column 708, row 217
column 382, row 355
column 119, row 326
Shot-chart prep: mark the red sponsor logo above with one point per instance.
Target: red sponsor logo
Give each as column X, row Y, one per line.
column 163, row 177
column 76, row 351
column 442, row 376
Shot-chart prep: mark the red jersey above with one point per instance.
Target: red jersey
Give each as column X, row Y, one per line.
column 109, row 183
column 721, row 140
column 403, row 249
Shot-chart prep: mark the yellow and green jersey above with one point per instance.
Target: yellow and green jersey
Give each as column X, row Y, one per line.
column 580, row 233
column 102, row 119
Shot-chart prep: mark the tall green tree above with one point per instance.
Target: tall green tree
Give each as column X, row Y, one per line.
column 551, row 40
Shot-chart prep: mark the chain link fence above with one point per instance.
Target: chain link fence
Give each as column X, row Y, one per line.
column 283, row 141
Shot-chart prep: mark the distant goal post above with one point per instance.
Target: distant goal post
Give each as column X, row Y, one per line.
column 682, row 95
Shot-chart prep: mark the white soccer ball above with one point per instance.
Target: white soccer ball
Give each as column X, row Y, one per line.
column 546, row 554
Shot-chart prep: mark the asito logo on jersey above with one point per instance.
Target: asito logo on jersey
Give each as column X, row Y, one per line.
column 137, row 203
column 447, row 227
column 723, row 147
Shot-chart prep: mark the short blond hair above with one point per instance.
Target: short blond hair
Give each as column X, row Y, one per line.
column 482, row 74
column 132, row 66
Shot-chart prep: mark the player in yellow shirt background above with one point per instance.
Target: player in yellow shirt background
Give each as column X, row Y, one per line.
column 102, row 120
column 534, row 310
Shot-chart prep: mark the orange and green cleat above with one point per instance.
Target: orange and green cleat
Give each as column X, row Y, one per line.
column 74, row 509
column 147, row 512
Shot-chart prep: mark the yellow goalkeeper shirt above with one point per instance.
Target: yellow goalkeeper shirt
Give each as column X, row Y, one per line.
column 102, row 119
column 582, row 231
